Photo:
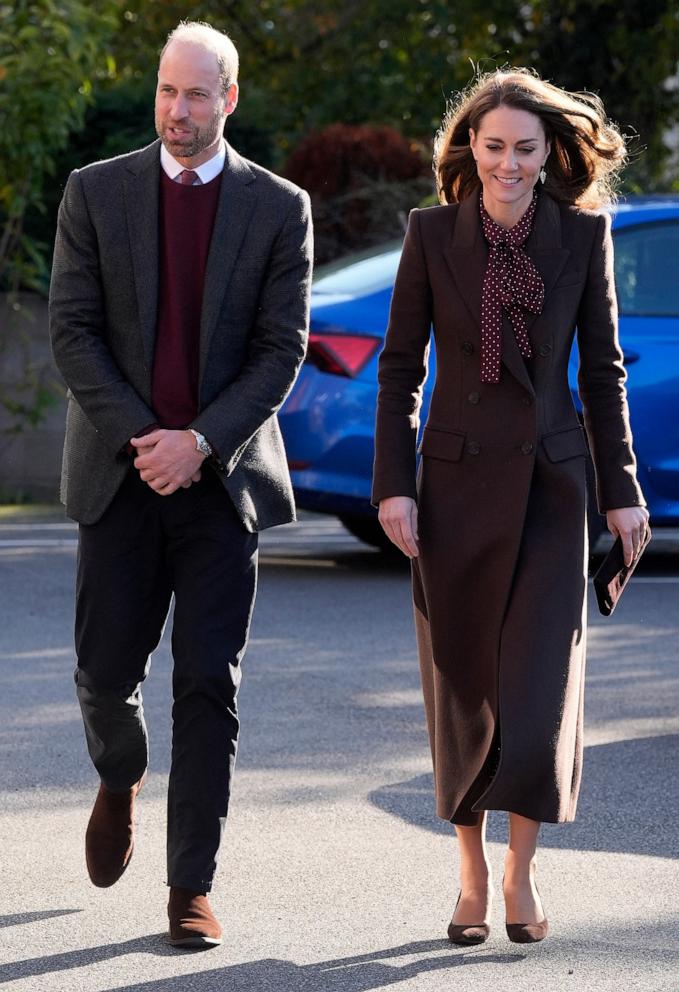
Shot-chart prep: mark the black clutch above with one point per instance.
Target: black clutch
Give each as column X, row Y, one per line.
column 613, row 575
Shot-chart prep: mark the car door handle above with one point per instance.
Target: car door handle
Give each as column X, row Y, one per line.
column 630, row 357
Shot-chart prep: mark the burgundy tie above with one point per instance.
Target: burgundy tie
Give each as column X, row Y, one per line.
column 188, row 177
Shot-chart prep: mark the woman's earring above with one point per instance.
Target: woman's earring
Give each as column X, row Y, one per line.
column 543, row 174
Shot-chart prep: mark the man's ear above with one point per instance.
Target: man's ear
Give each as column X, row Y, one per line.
column 231, row 101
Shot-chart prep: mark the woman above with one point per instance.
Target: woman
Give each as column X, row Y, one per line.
column 517, row 257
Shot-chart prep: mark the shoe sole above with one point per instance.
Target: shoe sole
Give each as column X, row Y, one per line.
column 196, row 941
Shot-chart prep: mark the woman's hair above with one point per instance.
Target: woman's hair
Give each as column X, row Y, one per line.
column 587, row 150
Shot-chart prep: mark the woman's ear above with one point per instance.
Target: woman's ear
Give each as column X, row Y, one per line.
column 472, row 140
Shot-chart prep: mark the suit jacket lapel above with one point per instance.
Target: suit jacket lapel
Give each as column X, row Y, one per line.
column 236, row 203
column 141, row 194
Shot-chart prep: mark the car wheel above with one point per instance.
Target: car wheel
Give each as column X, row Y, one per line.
column 368, row 530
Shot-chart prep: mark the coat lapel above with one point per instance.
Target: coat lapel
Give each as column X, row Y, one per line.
column 544, row 247
column 467, row 256
column 236, row 203
column 141, row 194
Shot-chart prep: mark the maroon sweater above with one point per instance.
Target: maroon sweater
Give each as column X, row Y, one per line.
column 187, row 215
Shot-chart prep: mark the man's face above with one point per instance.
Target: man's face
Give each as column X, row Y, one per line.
column 190, row 105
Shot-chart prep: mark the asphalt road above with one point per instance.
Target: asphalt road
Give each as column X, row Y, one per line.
column 335, row 875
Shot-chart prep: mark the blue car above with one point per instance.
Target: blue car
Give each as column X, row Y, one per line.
column 328, row 419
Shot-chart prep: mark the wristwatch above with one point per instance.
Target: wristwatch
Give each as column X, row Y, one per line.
column 202, row 443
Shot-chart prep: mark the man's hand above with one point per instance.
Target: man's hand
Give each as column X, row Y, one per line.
column 398, row 516
column 168, row 460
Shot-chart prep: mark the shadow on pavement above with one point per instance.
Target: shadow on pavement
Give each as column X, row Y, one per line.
column 155, row 944
column 15, row 919
column 359, row 973
column 628, row 802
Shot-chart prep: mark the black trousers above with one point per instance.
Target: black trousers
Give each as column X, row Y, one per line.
column 145, row 548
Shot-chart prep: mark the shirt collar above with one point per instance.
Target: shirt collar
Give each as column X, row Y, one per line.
column 207, row 171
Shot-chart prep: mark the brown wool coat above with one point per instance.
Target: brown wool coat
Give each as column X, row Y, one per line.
column 500, row 584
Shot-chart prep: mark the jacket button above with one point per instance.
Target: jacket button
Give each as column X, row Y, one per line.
column 527, row 447
column 474, row 398
column 544, row 350
column 473, row 447
column 467, row 347
column 527, row 400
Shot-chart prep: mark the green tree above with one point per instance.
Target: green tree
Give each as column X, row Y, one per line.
column 628, row 53
column 307, row 64
column 50, row 53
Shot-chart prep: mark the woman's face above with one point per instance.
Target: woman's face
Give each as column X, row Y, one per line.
column 510, row 148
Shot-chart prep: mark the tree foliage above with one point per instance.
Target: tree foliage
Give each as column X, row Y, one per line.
column 50, row 53
column 307, row 64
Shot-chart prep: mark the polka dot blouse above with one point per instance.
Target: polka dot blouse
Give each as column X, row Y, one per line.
column 511, row 284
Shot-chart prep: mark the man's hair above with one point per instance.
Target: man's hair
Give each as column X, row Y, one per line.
column 200, row 33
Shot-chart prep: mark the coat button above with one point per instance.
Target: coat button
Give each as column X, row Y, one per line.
column 544, row 350
column 527, row 400
column 467, row 347
column 527, row 447
column 473, row 447
column 474, row 398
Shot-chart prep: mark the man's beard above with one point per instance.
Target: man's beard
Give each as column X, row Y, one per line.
column 200, row 139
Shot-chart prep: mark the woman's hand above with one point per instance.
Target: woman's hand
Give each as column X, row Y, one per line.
column 398, row 516
column 630, row 523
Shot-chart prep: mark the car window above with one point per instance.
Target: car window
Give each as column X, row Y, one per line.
column 370, row 275
column 646, row 267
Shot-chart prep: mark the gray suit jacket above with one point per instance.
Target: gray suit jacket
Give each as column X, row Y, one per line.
column 253, row 333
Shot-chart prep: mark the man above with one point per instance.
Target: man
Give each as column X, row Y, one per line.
column 179, row 318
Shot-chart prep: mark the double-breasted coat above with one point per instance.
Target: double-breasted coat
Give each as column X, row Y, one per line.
column 499, row 586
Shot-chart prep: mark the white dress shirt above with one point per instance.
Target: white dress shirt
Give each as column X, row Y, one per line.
column 205, row 172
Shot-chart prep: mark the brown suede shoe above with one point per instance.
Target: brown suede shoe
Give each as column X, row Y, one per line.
column 109, row 840
column 192, row 922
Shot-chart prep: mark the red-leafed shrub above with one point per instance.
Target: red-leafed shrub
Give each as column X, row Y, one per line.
column 363, row 179
column 342, row 156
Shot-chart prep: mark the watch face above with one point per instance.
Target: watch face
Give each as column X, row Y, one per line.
column 202, row 444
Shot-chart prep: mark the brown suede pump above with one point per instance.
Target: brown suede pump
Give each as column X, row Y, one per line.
column 527, row 933
column 467, row 933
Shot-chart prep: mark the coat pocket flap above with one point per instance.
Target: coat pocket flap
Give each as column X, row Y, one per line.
column 446, row 445
column 565, row 444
